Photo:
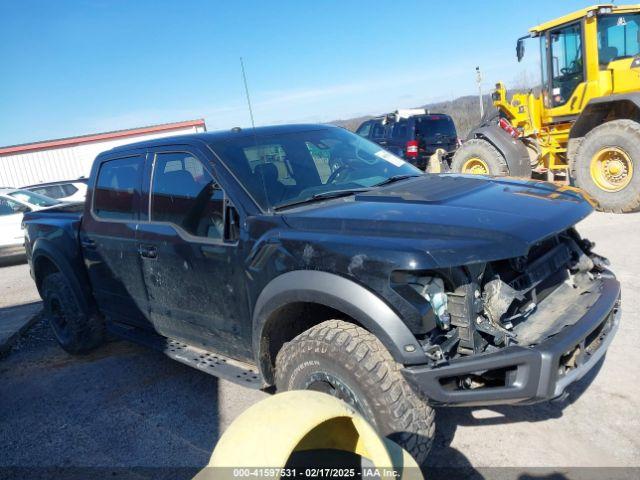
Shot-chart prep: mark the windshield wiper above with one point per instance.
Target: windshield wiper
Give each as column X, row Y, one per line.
column 322, row 196
column 396, row 178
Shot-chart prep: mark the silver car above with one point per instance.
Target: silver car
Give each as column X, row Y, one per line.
column 13, row 204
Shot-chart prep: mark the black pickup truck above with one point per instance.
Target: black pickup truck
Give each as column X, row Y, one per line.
column 306, row 257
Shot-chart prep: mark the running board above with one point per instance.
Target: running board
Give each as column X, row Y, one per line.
column 209, row 362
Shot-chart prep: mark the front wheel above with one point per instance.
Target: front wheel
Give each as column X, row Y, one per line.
column 479, row 157
column 606, row 166
column 348, row 362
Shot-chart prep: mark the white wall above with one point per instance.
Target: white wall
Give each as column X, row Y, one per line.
column 66, row 163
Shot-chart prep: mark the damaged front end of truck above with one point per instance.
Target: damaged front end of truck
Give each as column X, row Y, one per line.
column 517, row 330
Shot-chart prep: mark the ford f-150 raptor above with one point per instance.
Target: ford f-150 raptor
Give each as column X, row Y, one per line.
column 306, row 257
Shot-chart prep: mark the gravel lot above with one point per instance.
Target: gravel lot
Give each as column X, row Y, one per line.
column 125, row 406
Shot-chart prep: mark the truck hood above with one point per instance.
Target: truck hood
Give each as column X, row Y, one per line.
column 455, row 219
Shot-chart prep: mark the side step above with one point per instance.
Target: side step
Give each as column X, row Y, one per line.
column 209, row 362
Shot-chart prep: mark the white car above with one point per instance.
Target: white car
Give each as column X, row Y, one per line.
column 65, row 191
column 13, row 204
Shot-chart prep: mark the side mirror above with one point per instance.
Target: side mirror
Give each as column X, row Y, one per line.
column 520, row 49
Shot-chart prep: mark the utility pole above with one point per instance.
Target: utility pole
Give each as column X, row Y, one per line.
column 479, row 82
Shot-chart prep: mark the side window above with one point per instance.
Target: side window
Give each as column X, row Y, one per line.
column 185, row 194
column 364, row 129
column 68, row 189
column 377, row 130
column 52, row 191
column 117, row 188
column 400, row 130
column 8, row 207
column 567, row 67
column 618, row 37
column 40, row 191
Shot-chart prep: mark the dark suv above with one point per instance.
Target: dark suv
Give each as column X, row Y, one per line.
column 414, row 137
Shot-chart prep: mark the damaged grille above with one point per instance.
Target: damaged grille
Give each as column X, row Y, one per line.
column 512, row 290
column 542, row 267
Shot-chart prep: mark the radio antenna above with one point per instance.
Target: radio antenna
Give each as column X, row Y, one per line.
column 246, row 91
column 253, row 125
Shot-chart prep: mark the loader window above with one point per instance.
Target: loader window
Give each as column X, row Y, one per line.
column 567, row 65
column 618, row 37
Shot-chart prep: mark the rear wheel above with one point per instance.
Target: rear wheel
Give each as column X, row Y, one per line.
column 346, row 361
column 76, row 331
column 606, row 166
column 479, row 157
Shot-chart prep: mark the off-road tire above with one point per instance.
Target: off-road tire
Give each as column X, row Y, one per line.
column 480, row 148
column 76, row 331
column 366, row 374
column 624, row 134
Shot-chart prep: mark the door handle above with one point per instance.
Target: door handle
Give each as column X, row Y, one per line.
column 148, row 251
column 88, row 243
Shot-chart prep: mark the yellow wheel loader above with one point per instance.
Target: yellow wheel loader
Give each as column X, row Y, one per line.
column 583, row 127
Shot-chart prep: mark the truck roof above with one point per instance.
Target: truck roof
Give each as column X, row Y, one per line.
column 578, row 14
column 225, row 135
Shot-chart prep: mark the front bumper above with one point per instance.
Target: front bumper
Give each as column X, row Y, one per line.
column 531, row 374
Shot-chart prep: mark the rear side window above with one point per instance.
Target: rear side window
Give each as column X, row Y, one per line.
column 185, row 194
column 117, row 188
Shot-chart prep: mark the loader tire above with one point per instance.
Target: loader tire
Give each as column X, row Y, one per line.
column 607, row 166
column 350, row 363
column 76, row 331
column 477, row 156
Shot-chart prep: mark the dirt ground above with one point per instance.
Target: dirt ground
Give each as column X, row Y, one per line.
column 124, row 406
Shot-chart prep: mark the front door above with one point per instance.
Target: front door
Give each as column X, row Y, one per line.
column 108, row 240
column 192, row 272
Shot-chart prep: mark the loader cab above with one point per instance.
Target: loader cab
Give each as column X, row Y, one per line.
column 574, row 50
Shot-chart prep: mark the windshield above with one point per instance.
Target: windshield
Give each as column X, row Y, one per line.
column 33, row 198
column 618, row 37
column 295, row 167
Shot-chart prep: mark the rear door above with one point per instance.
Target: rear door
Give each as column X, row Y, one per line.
column 192, row 268
column 378, row 133
column 108, row 238
column 398, row 135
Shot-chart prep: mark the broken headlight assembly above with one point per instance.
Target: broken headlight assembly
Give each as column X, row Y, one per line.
column 432, row 290
column 427, row 294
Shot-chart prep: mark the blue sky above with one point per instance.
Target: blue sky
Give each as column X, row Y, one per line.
column 77, row 67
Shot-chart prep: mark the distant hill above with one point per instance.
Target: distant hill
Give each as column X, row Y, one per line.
column 463, row 110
